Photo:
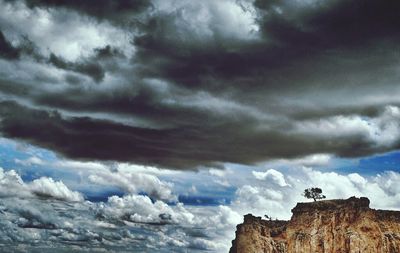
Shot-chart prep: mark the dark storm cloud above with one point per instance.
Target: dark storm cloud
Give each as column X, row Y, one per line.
column 143, row 102
column 102, row 9
column 294, row 37
column 107, row 52
column 300, row 84
column 92, row 69
column 178, row 148
column 89, row 66
column 6, row 49
column 24, row 47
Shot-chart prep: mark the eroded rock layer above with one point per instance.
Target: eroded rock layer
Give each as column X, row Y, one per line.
column 331, row 226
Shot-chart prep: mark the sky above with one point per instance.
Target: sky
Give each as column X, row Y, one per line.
column 155, row 125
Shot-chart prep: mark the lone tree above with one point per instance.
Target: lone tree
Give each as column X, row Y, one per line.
column 313, row 193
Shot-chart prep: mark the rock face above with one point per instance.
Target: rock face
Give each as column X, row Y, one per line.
column 331, row 226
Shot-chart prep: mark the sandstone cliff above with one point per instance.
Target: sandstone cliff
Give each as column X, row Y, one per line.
column 331, row 226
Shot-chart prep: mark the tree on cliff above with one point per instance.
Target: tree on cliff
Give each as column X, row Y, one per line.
column 313, row 193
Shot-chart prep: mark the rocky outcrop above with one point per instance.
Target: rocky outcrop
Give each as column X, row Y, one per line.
column 331, row 226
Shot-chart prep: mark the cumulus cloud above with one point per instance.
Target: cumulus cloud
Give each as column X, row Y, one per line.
column 134, row 182
column 50, row 225
column 271, row 174
column 52, row 222
column 47, row 187
column 204, row 228
column 12, row 185
column 138, row 208
column 277, row 200
column 260, row 201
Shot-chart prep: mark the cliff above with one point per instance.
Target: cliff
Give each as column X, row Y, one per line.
column 331, row 226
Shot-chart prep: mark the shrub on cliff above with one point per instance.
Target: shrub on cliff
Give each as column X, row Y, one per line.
column 313, row 193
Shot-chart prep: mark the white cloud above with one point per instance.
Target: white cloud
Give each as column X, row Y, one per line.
column 382, row 189
column 389, row 181
column 217, row 173
column 260, row 201
column 63, row 164
column 312, row 160
column 357, row 179
column 383, row 130
column 128, row 177
column 12, row 185
column 78, row 165
column 48, row 187
column 220, row 176
column 226, row 177
column 218, row 222
column 132, row 182
column 271, row 175
column 220, row 225
column 138, row 208
column 135, row 168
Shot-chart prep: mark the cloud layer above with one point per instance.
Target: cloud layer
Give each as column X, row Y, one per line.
column 200, row 84
column 44, row 214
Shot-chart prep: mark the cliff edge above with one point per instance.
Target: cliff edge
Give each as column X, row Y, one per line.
column 330, row 226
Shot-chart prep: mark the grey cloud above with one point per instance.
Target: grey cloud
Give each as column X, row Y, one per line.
column 91, row 69
column 108, row 52
column 7, row 50
column 301, row 38
column 205, row 93
column 179, row 148
column 101, row 9
column 13, row 52
column 33, row 218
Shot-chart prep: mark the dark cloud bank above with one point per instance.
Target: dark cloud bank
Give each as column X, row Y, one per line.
column 101, row 9
column 320, row 77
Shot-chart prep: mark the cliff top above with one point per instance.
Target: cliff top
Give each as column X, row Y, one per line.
column 352, row 202
column 249, row 218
